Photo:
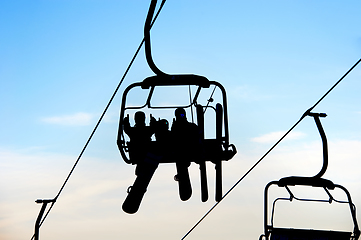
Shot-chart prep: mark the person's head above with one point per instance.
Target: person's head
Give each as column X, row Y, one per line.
column 163, row 125
column 139, row 118
column 180, row 114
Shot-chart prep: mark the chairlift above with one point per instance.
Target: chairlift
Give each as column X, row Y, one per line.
column 215, row 150
column 276, row 233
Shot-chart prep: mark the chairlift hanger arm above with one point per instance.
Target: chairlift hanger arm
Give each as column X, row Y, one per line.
column 316, row 180
column 148, row 52
column 316, row 117
column 40, row 216
column 162, row 77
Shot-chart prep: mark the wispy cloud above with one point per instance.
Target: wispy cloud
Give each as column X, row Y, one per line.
column 77, row 119
column 274, row 136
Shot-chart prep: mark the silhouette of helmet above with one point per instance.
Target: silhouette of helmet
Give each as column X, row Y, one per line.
column 139, row 118
column 180, row 113
column 163, row 124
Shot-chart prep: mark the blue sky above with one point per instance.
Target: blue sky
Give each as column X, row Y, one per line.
column 60, row 62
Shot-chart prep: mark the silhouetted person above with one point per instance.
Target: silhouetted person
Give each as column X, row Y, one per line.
column 140, row 136
column 162, row 133
column 163, row 139
column 139, row 153
column 185, row 140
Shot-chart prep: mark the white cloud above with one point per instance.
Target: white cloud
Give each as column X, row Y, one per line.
column 77, row 119
column 275, row 136
column 90, row 204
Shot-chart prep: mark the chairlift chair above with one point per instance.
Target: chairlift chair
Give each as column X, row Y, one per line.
column 215, row 150
column 275, row 233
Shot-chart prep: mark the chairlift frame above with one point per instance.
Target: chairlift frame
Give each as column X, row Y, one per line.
column 215, row 150
column 150, row 83
column 272, row 233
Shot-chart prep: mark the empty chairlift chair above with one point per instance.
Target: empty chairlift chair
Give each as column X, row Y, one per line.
column 277, row 233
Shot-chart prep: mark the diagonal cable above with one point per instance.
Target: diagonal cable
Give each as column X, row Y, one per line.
column 101, row 117
column 305, row 114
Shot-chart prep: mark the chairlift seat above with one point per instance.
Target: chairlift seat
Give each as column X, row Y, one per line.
column 308, row 234
column 212, row 149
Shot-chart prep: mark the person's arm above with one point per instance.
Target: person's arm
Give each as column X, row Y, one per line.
column 153, row 122
column 126, row 125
